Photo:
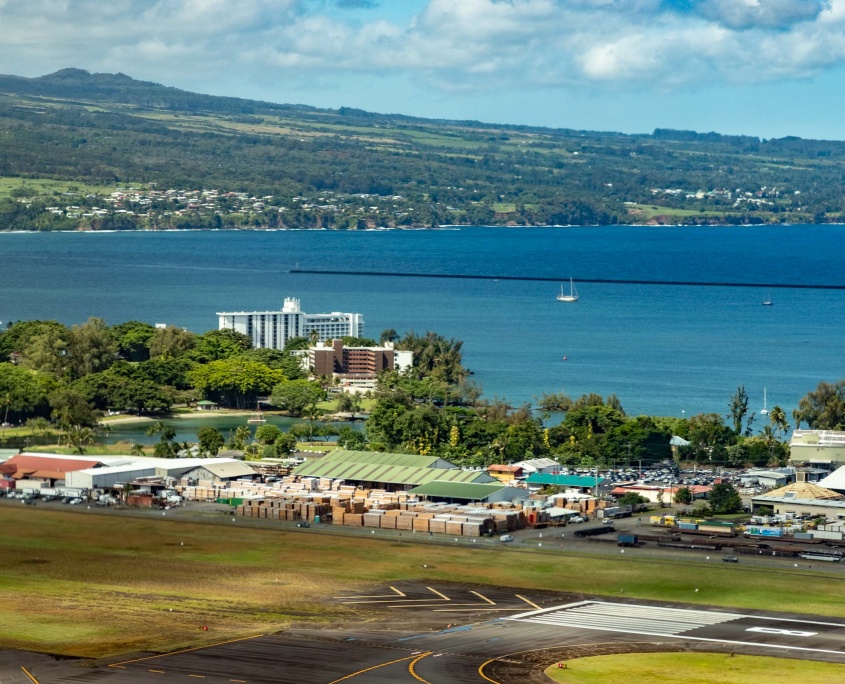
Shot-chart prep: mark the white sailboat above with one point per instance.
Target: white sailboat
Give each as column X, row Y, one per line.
column 764, row 411
column 571, row 297
column 768, row 300
column 258, row 416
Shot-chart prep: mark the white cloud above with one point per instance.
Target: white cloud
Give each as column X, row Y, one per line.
column 450, row 44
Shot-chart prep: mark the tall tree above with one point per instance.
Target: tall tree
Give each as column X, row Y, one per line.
column 91, row 348
column 822, row 409
column 171, row 342
column 738, row 408
column 297, row 396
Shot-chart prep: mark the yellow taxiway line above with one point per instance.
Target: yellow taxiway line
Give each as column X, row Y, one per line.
column 370, row 669
column 184, row 650
column 414, row 662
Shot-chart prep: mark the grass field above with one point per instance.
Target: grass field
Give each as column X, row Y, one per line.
column 695, row 668
column 46, row 187
column 90, row 584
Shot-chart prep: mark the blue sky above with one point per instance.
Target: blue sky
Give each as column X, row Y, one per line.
column 759, row 67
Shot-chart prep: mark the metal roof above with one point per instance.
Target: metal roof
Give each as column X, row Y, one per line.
column 228, row 469
column 564, row 480
column 382, row 458
column 471, row 491
column 388, row 474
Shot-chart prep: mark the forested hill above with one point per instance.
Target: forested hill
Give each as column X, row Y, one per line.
column 81, row 150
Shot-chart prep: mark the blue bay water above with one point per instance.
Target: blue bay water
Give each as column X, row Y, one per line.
column 664, row 350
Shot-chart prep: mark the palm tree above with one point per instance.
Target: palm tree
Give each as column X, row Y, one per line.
column 777, row 419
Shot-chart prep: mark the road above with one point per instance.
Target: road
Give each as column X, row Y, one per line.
column 455, row 634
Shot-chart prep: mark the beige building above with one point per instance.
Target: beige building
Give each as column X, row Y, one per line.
column 817, row 447
column 803, row 498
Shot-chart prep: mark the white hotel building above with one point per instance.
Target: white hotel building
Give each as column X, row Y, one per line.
column 273, row 329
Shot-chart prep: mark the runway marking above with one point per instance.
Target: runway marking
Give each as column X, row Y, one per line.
column 394, row 589
column 197, row 676
column 483, row 598
column 443, row 596
column 480, row 610
column 184, row 650
column 30, row 675
column 481, row 670
column 369, row 669
column 156, row 671
column 394, row 600
column 414, row 662
column 530, row 603
column 656, row 621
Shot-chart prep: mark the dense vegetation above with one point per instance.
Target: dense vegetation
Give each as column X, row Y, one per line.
column 55, row 377
column 348, row 168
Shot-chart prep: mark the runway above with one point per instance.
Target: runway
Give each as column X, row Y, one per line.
column 443, row 634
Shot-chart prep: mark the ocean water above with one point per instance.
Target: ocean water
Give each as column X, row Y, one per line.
column 668, row 350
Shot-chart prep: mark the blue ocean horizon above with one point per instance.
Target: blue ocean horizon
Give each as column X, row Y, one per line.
column 664, row 350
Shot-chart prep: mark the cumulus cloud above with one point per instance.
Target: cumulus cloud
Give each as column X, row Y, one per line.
column 450, row 44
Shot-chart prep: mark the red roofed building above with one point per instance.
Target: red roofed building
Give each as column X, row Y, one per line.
column 46, row 470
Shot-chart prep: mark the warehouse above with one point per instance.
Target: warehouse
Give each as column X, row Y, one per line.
column 392, row 472
column 219, row 472
column 386, row 458
column 468, row 492
column 579, row 482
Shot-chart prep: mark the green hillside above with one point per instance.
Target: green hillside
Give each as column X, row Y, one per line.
column 70, row 139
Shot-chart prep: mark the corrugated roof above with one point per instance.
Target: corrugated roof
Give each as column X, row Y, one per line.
column 471, row 491
column 381, row 458
column 388, row 474
column 564, row 480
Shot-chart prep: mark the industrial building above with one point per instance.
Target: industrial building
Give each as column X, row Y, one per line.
column 273, row 329
column 545, row 466
column 38, row 472
column 392, row 472
column 467, row 492
column 576, row 482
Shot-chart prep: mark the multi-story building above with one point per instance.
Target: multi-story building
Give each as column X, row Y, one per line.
column 273, row 329
column 356, row 366
column 822, row 448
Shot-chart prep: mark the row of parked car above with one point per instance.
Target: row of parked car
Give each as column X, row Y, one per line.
column 30, row 499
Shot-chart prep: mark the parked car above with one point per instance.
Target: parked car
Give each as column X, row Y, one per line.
column 303, row 524
column 577, row 519
column 730, row 559
column 506, row 538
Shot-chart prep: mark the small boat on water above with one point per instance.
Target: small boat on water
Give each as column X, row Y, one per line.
column 764, row 411
column 258, row 416
column 768, row 300
column 571, row 297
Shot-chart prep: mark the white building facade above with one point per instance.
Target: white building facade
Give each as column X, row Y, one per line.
column 273, row 329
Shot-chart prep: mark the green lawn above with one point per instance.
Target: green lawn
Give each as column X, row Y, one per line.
column 65, row 570
column 695, row 668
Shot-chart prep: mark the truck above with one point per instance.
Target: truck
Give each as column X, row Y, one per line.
column 612, row 512
column 626, row 540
